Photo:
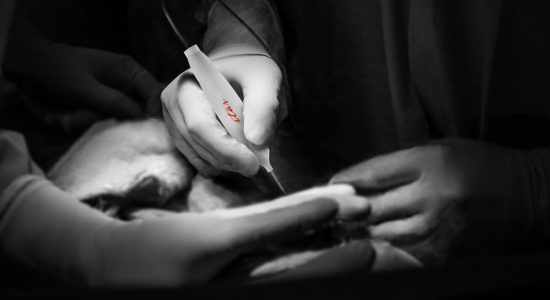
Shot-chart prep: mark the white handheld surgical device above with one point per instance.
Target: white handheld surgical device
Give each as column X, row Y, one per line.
column 226, row 103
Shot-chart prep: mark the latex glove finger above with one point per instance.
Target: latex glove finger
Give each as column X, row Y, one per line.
column 111, row 102
column 260, row 103
column 335, row 192
column 259, row 113
column 403, row 231
column 128, row 76
column 390, row 258
column 396, row 203
column 206, row 130
column 354, row 257
column 177, row 130
column 382, row 172
column 150, row 213
column 352, row 207
column 15, row 159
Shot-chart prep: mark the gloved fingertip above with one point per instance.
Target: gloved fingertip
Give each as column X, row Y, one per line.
column 353, row 257
column 338, row 178
column 353, row 207
column 281, row 223
column 256, row 135
column 323, row 206
column 247, row 165
column 390, row 258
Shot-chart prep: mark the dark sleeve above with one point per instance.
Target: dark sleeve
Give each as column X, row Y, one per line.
column 532, row 196
column 246, row 21
column 251, row 22
column 515, row 216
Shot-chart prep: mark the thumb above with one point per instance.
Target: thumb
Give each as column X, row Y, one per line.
column 260, row 107
column 258, row 229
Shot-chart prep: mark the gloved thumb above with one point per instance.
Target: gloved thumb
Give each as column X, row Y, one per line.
column 260, row 106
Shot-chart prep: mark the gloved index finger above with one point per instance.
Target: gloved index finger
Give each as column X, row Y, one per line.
column 334, row 192
column 382, row 172
column 128, row 76
column 254, row 230
column 112, row 102
column 260, row 107
column 143, row 85
column 354, row 257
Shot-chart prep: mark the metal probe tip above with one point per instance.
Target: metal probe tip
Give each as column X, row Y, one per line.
column 272, row 173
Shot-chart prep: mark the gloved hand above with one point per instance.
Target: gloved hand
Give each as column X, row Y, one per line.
column 430, row 200
column 107, row 83
column 45, row 228
column 356, row 256
column 192, row 122
column 76, row 86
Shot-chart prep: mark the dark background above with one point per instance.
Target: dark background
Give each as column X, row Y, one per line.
column 148, row 38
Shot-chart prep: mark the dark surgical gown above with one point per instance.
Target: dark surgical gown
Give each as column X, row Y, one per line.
column 373, row 76
column 370, row 77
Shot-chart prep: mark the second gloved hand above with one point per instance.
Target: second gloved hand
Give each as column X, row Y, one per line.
column 193, row 124
column 77, row 78
column 450, row 195
column 80, row 244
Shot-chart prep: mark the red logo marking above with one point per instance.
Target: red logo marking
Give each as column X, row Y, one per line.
column 230, row 111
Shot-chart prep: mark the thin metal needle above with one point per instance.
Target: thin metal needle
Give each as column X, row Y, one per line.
column 272, row 173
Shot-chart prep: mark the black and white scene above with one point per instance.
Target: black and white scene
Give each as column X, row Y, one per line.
column 267, row 149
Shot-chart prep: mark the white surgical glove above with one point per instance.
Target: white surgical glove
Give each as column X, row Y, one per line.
column 44, row 228
column 192, row 122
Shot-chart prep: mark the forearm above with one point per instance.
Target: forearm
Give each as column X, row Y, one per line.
column 47, row 230
column 262, row 29
column 41, row 226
